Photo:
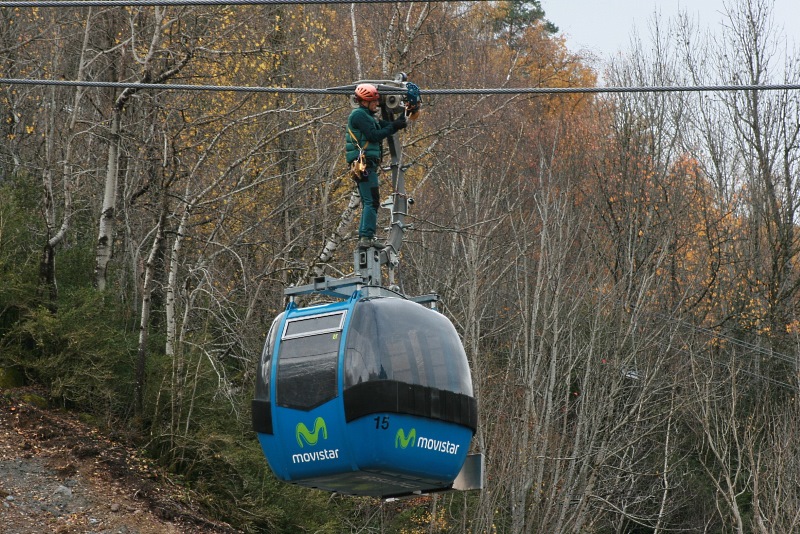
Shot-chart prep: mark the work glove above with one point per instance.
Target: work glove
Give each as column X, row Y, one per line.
column 399, row 123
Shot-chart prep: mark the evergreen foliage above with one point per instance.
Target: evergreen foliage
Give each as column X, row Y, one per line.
column 80, row 352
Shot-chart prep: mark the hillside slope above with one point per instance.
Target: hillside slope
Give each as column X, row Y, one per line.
column 59, row 475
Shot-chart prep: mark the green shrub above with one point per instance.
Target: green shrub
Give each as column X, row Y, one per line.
column 11, row 377
column 77, row 352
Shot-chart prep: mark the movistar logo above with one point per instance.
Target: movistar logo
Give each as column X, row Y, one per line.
column 401, row 441
column 311, row 438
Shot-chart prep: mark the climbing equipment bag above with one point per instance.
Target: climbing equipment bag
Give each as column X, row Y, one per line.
column 358, row 167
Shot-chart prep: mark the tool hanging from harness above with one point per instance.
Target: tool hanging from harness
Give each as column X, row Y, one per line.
column 359, row 166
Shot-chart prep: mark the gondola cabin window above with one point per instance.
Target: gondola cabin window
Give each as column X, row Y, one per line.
column 394, row 339
column 262, row 385
column 307, row 361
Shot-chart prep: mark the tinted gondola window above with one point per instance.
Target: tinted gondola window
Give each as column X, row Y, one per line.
column 395, row 339
column 262, row 385
column 307, row 361
column 329, row 322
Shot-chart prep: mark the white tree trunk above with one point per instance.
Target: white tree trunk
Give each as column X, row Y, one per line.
column 105, row 235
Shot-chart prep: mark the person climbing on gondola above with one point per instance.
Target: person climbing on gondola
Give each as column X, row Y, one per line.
column 364, row 141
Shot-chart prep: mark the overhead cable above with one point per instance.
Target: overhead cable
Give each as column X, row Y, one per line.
column 347, row 91
column 136, row 3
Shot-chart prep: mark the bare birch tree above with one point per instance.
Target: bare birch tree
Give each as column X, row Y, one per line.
column 145, row 69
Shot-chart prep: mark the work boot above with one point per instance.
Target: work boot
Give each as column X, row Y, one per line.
column 370, row 242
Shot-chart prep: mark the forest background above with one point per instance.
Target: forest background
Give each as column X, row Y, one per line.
column 622, row 268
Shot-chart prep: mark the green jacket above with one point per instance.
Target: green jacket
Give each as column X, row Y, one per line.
column 370, row 133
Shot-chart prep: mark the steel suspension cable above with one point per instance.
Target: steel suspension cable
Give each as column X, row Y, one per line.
column 347, row 91
column 136, row 3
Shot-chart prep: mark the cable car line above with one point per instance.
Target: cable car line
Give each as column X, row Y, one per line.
column 747, row 346
column 136, row 3
column 426, row 92
column 741, row 343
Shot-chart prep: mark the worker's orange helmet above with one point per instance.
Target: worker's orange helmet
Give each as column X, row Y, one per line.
column 367, row 92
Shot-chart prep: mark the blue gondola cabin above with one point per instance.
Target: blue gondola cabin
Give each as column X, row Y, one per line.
column 367, row 396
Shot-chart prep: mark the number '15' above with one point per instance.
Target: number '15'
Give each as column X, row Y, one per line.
column 382, row 422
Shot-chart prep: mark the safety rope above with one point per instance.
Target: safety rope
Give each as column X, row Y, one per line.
column 347, row 91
